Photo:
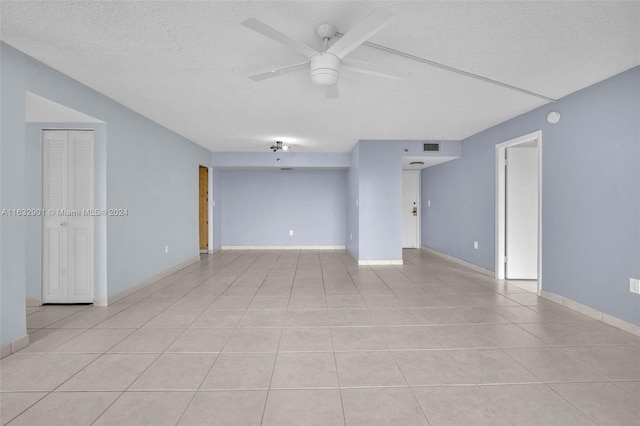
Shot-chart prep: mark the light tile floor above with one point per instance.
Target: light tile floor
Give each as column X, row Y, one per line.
column 309, row 338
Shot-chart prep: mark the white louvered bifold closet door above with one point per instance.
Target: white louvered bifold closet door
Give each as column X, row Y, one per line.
column 67, row 267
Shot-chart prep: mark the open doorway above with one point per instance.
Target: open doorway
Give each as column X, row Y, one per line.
column 518, row 207
column 203, row 209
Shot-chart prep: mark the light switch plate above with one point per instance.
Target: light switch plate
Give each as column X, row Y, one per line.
column 634, row 285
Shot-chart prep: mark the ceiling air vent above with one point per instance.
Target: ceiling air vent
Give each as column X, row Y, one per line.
column 432, row 147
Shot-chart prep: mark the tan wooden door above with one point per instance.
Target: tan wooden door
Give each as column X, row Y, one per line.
column 204, row 208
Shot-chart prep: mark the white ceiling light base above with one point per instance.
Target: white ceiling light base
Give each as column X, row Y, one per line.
column 325, row 68
column 326, row 31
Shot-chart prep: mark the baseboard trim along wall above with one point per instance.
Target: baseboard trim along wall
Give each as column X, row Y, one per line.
column 380, row 262
column 33, row 302
column 568, row 303
column 593, row 313
column 460, row 261
column 103, row 301
column 14, row 346
column 283, row 247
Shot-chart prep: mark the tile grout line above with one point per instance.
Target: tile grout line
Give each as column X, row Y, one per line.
column 325, row 261
column 141, row 373
column 275, row 360
column 395, row 360
column 460, row 368
column 335, row 359
column 226, row 340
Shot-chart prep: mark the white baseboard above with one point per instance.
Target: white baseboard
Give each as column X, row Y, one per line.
column 283, row 247
column 137, row 287
column 593, row 313
column 621, row 324
column 571, row 304
column 460, row 261
column 102, row 301
column 379, row 262
column 383, row 262
column 32, row 302
column 15, row 346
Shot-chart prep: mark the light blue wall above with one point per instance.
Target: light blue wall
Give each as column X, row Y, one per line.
column 462, row 206
column 216, row 204
column 353, row 232
column 590, row 195
column 13, row 316
column 149, row 170
column 154, row 173
column 261, row 206
column 380, row 198
column 379, row 184
column 287, row 159
column 223, row 162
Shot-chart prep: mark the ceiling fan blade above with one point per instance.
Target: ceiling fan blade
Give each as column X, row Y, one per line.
column 358, row 35
column 331, row 92
column 280, row 71
column 367, row 68
column 276, row 35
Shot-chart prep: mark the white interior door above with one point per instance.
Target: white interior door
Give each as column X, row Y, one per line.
column 521, row 213
column 410, row 205
column 67, row 267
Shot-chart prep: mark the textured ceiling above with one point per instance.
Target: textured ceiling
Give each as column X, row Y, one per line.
column 185, row 64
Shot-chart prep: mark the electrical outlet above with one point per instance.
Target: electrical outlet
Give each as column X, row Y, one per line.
column 634, row 285
column 290, row 232
column 475, row 245
column 428, row 203
column 166, row 249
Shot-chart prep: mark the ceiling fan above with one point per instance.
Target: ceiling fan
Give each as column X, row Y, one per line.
column 325, row 66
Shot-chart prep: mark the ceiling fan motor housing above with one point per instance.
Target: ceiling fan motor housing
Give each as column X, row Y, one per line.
column 325, row 69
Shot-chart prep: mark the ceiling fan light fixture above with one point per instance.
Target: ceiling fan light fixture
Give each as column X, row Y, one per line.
column 279, row 146
column 325, row 68
column 321, row 78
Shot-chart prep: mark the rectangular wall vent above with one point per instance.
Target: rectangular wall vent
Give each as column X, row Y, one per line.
column 431, row 147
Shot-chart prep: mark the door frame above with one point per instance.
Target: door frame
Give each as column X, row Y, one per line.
column 418, row 204
column 208, row 214
column 500, row 217
column 212, row 204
